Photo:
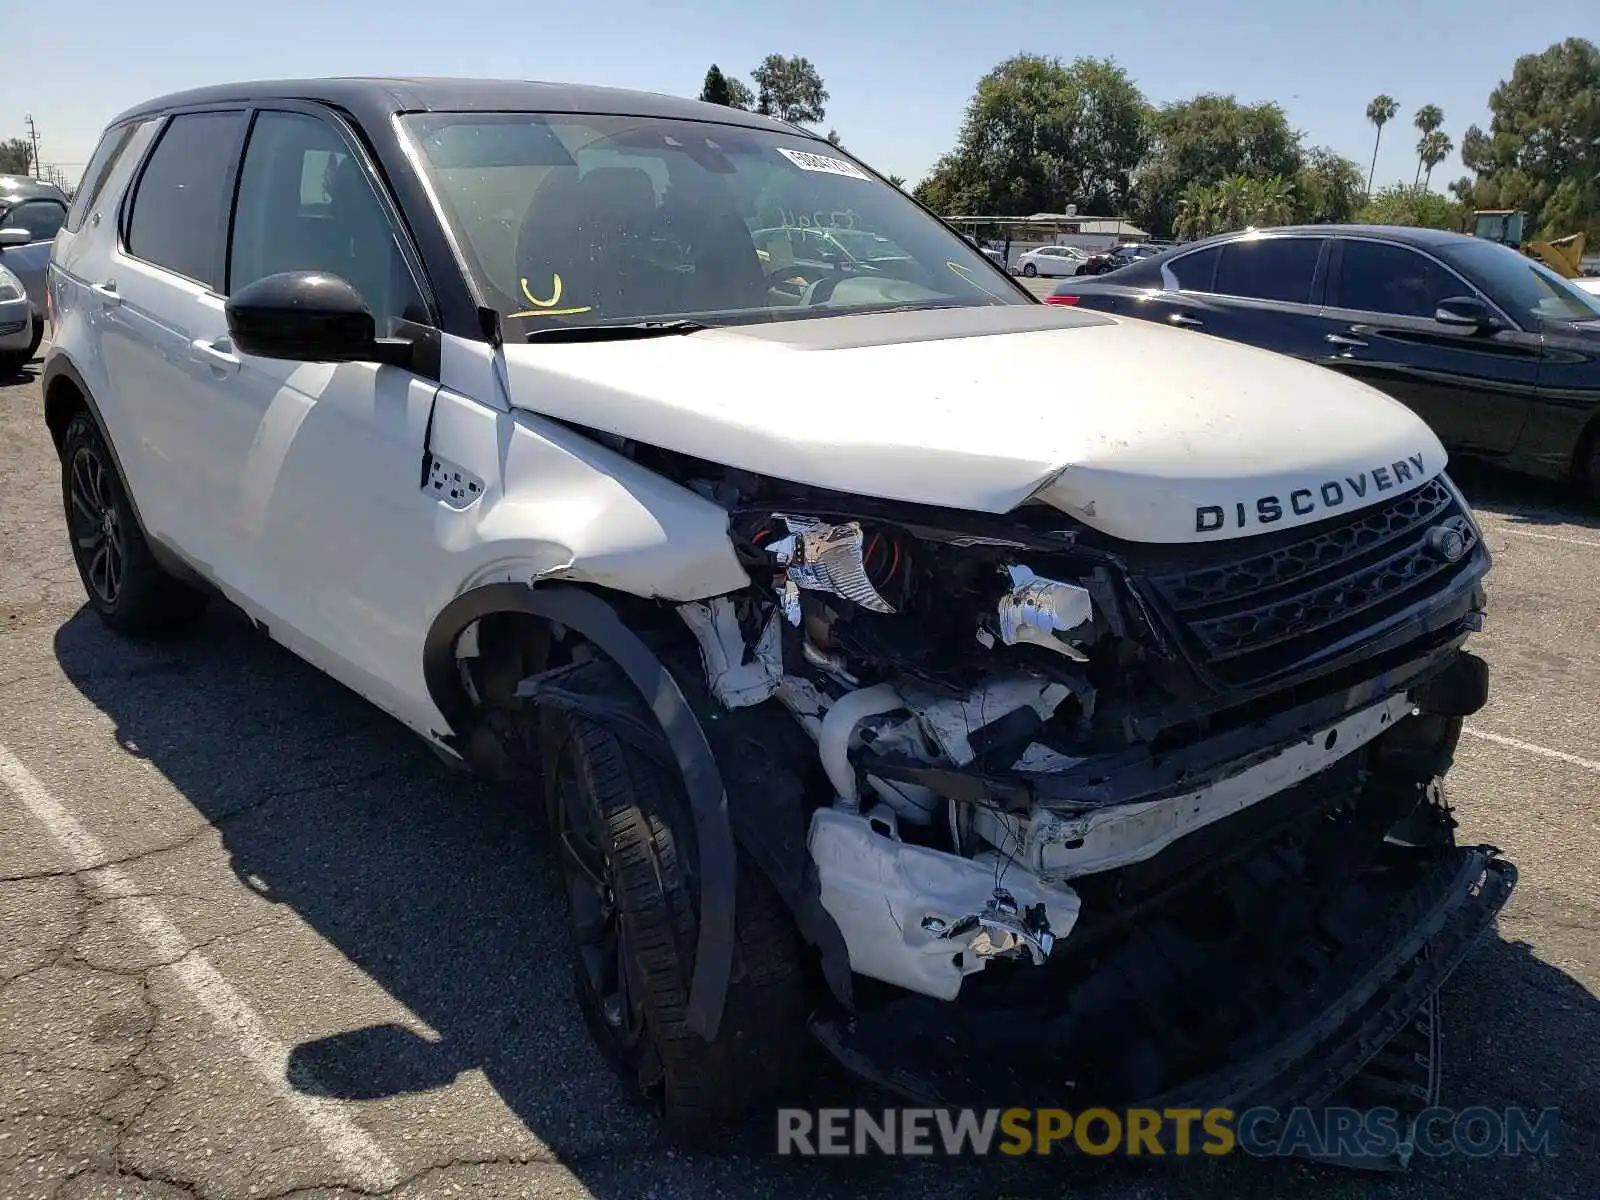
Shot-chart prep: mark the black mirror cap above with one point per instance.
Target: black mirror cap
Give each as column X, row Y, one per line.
column 1466, row 311
column 308, row 316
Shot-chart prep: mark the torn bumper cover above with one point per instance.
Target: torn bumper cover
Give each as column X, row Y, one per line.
column 1336, row 1007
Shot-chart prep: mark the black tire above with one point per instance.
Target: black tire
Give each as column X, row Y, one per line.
column 1029, row 270
column 639, row 824
column 125, row 584
column 1588, row 468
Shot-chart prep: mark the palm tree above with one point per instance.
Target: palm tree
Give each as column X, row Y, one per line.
column 1195, row 209
column 1432, row 150
column 1429, row 118
column 1380, row 112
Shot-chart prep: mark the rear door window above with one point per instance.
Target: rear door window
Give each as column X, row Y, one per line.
column 180, row 210
column 1274, row 268
column 1384, row 278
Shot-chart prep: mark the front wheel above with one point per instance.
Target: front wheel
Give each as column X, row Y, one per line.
column 1029, row 270
column 125, row 584
column 624, row 841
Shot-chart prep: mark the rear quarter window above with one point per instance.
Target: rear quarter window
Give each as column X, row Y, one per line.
column 105, row 157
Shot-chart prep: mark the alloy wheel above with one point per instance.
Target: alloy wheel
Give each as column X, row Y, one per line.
column 97, row 526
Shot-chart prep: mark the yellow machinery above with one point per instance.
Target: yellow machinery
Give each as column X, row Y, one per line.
column 1507, row 226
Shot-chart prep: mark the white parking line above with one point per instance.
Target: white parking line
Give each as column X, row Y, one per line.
column 1500, row 739
column 1543, row 537
column 348, row 1142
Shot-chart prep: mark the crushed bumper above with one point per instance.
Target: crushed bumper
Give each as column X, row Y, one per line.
column 1344, row 1016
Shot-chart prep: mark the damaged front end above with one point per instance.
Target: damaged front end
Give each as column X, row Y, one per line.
column 1142, row 822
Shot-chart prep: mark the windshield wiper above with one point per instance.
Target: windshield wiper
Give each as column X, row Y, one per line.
column 614, row 333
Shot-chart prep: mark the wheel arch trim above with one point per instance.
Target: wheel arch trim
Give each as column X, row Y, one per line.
column 590, row 615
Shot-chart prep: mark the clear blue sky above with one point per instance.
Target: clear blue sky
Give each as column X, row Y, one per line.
column 900, row 72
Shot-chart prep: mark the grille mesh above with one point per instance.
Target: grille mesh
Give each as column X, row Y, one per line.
column 1268, row 612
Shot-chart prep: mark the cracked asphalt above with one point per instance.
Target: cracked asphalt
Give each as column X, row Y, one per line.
column 255, row 941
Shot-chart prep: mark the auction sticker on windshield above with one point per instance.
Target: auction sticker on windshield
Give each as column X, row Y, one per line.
column 807, row 161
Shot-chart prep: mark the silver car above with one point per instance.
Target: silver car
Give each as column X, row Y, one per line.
column 31, row 211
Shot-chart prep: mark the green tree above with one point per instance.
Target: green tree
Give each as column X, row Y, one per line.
column 792, row 88
column 833, row 138
column 1204, row 141
column 898, row 181
column 715, row 89
column 16, row 156
column 721, row 89
column 1039, row 135
column 1542, row 151
column 1428, row 119
column 1380, row 112
column 1328, row 188
column 1433, row 149
column 1411, row 204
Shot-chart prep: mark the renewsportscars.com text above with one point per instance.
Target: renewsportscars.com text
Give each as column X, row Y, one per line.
column 1214, row 1132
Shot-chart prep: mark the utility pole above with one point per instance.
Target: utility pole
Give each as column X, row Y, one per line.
column 33, row 133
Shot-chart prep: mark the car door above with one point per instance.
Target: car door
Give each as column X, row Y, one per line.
column 1263, row 291
column 327, row 459
column 1473, row 387
column 158, row 296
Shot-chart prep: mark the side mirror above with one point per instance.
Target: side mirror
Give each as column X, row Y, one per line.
column 14, row 237
column 1465, row 312
column 309, row 316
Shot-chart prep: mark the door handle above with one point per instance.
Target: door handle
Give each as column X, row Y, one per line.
column 217, row 355
column 1186, row 321
column 1341, row 339
column 106, row 293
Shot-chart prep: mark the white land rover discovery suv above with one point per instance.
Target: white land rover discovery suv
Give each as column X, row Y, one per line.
column 999, row 735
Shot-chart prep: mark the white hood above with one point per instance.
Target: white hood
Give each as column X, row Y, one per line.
column 1145, row 433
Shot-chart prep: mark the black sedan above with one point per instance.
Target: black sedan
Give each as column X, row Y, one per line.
column 1500, row 355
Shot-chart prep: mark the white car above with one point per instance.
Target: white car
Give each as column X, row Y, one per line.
column 1590, row 284
column 1051, row 260
column 867, row 689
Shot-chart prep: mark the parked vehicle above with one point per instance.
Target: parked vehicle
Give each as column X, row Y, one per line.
column 18, row 337
column 862, row 695
column 1117, row 257
column 1499, row 354
column 31, row 211
column 1051, row 260
column 1588, row 284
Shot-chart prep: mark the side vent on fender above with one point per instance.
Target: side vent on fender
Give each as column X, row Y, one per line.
column 451, row 485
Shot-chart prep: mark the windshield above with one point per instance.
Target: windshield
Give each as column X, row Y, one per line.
column 595, row 219
column 1530, row 290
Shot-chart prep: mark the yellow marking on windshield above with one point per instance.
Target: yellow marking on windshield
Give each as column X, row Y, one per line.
column 547, row 308
column 961, row 272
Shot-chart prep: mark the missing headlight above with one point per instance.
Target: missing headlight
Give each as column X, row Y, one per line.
column 821, row 557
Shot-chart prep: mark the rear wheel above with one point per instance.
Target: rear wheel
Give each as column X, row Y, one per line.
column 624, row 841
column 125, row 584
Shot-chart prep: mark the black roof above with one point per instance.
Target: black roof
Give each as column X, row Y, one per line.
column 369, row 99
column 1409, row 234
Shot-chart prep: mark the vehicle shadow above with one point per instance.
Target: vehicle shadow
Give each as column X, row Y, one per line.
column 1522, row 500
column 440, row 891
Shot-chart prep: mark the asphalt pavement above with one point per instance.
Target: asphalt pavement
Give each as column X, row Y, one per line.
column 256, row 941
